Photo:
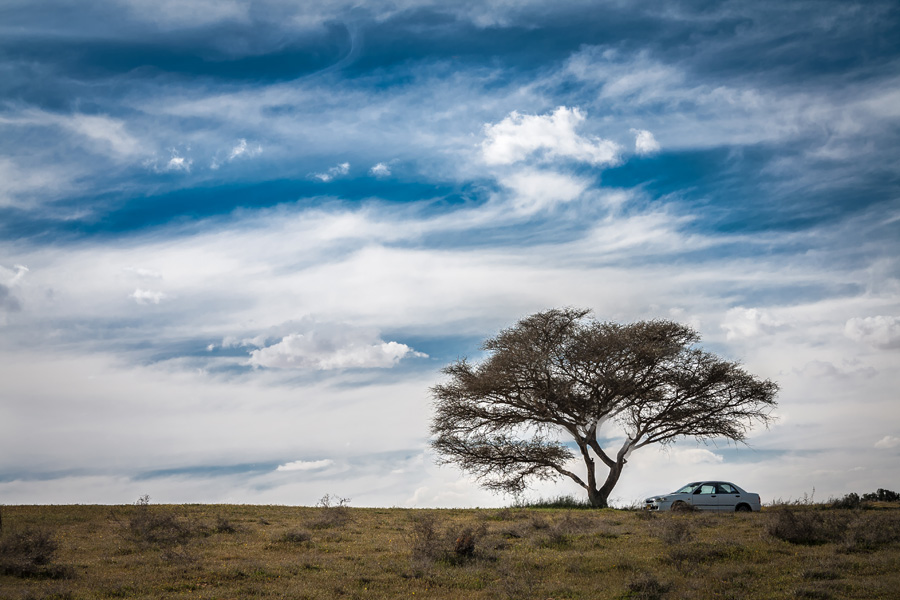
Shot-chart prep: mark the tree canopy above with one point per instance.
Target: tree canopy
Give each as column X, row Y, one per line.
column 559, row 376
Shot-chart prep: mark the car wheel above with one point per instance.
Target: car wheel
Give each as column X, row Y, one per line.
column 680, row 507
column 743, row 508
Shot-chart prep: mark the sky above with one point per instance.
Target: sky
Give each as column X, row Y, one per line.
column 240, row 239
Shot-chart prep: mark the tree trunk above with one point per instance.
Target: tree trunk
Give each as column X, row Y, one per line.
column 599, row 498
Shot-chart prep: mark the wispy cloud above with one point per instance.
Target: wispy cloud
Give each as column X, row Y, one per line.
column 335, row 171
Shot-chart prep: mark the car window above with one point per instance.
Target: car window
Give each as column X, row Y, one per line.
column 724, row 488
column 706, row 488
column 688, row 488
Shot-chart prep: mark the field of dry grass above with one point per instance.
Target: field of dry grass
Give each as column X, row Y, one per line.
column 225, row 551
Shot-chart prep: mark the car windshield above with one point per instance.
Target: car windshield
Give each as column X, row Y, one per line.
column 688, row 488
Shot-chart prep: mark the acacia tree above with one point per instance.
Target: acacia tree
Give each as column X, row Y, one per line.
column 559, row 376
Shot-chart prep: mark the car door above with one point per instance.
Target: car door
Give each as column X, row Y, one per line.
column 726, row 497
column 704, row 497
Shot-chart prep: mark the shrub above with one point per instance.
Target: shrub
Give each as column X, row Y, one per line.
column 882, row 495
column 223, row 525
column 29, row 553
column 849, row 501
column 333, row 512
column 646, row 587
column 295, row 537
column 807, row 527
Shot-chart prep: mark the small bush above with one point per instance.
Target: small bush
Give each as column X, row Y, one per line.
column 29, row 553
column 223, row 525
column 425, row 540
column 334, row 512
column 295, row 537
column 646, row 587
column 674, row 531
column 807, row 527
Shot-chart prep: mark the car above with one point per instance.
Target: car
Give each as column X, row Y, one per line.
column 720, row 496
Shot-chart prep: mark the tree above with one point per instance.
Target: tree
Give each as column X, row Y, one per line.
column 560, row 376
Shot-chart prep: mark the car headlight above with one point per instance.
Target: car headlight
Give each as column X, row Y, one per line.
column 660, row 499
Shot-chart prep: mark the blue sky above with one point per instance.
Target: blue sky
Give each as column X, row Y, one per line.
column 238, row 240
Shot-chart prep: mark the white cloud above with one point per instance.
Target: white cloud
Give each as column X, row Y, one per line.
column 537, row 190
column 335, row 171
column 242, row 149
column 322, row 352
column 696, row 456
column 147, row 296
column 143, row 273
column 178, row 163
column 14, row 276
column 888, row 441
column 518, row 136
column 880, row 331
column 644, row 142
column 741, row 322
column 306, row 465
column 380, row 170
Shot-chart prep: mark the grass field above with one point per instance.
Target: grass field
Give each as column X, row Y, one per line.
column 228, row 551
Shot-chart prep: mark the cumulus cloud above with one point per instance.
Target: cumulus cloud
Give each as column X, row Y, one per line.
column 335, row 171
column 519, row 136
column 147, row 296
column 888, row 441
column 380, row 170
column 338, row 350
column 644, row 142
column 305, row 465
column 880, row 331
column 741, row 322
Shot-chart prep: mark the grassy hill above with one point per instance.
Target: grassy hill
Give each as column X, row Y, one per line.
column 226, row 551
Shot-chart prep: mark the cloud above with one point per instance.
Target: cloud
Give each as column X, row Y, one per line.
column 143, row 273
column 178, row 163
column 696, row 456
column 336, row 171
column 8, row 302
column 147, row 296
column 743, row 322
column 323, row 352
column 305, row 465
column 519, row 136
column 380, row 170
column 888, row 441
column 537, row 190
column 644, row 142
column 242, row 149
column 880, row 331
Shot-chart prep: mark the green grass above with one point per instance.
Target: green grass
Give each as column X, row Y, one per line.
column 223, row 552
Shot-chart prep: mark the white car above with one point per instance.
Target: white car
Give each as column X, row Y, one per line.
column 706, row 495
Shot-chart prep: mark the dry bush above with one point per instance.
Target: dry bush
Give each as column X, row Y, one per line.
column 430, row 544
column 223, row 525
column 808, row 526
column 871, row 531
column 294, row 536
column 673, row 531
column 646, row 587
column 29, row 553
column 333, row 512
column 160, row 529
